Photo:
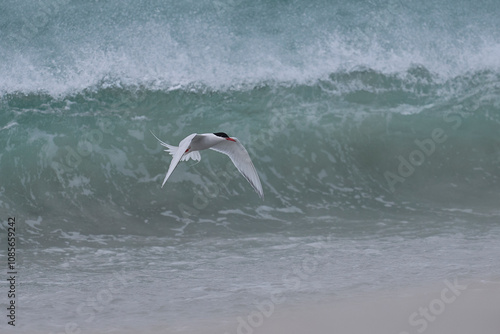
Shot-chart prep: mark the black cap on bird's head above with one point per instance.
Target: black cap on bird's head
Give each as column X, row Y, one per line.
column 223, row 135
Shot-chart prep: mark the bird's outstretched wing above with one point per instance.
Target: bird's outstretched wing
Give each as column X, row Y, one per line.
column 177, row 154
column 240, row 158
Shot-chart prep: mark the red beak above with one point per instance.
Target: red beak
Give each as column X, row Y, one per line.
column 231, row 139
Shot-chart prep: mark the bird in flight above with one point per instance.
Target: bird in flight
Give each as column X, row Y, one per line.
column 190, row 146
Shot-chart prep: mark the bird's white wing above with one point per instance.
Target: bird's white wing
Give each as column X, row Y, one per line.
column 183, row 146
column 240, row 158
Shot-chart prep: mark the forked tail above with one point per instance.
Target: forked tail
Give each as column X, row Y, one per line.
column 195, row 155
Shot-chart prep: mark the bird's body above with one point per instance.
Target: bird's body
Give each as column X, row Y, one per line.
column 190, row 146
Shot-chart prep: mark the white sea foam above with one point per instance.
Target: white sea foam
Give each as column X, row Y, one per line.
column 217, row 52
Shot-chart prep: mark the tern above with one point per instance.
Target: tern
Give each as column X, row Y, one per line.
column 190, row 146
